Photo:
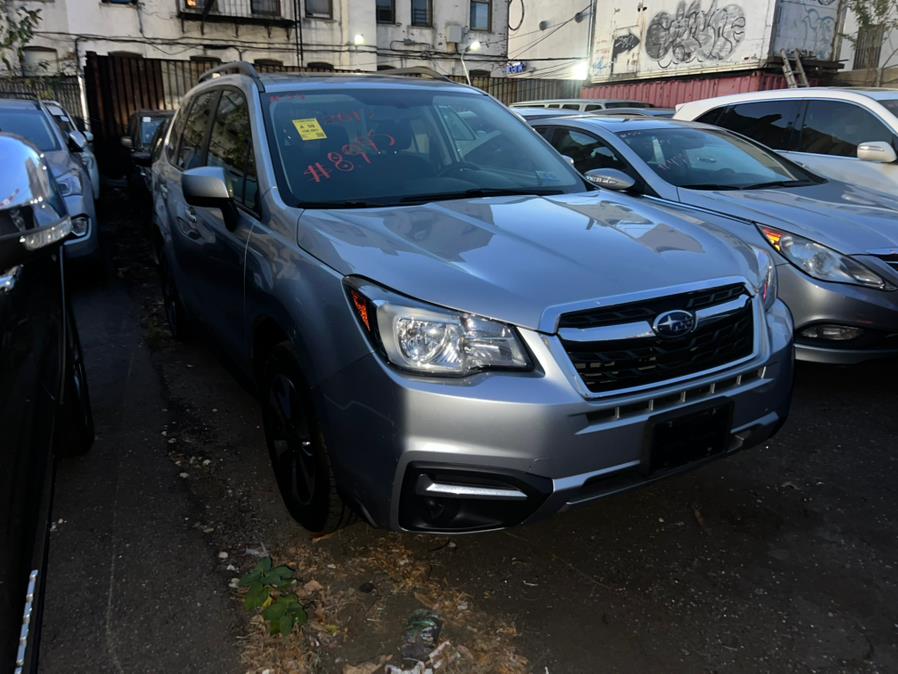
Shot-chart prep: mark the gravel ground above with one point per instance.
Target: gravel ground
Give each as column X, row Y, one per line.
column 781, row 558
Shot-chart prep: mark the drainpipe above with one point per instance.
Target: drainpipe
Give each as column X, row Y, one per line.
column 297, row 33
column 82, row 88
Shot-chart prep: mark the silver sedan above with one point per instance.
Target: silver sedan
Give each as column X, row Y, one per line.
column 837, row 243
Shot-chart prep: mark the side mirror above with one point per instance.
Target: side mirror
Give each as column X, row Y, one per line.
column 127, row 143
column 876, row 151
column 76, row 141
column 569, row 160
column 611, row 179
column 209, row 187
column 89, row 137
column 142, row 158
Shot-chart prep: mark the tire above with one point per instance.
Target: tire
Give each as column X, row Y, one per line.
column 296, row 445
column 78, row 435
column 175, row 316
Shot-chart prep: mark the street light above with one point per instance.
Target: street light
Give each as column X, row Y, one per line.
column 474, row 46
column 358, row 40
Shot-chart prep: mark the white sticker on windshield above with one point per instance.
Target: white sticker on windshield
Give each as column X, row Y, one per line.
column 147, row 119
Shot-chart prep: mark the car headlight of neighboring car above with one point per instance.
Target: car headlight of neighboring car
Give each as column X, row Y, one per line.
column 821, row 262
column 426, row 339
column 769, row 285
column 69, row 184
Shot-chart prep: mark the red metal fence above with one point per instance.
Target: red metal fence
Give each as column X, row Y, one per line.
column 668, row 92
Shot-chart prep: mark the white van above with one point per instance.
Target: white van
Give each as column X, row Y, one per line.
column 845, row 134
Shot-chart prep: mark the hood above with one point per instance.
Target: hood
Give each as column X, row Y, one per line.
column 514, row 258
column 849, row 219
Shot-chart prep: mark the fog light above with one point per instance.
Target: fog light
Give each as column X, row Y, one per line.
column 80, row 225
column 833, row 333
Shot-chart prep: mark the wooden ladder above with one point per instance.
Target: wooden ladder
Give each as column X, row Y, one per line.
column 802, row 80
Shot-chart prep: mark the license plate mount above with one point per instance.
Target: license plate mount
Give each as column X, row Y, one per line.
column 688, row 435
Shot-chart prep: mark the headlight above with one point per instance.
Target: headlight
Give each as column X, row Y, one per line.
column 69, row 183
column 769, row 288
column 432, row 340
column 821, row 262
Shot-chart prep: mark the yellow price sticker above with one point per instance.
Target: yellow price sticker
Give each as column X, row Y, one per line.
column 309, row 129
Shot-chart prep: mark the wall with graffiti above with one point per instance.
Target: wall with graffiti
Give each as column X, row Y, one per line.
column 652, row 38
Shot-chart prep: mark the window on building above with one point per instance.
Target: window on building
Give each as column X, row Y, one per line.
column 320, row 66
column 269, row 64
column 386, row 11
column 231, row 147
column 202, row 58
column 868, row 49
column 837, row 128
column 481, row 11
column 40, row 61
column 192, row 148
column 319, row 9
column 422, row 13
column 265, row 7
column 769, row 122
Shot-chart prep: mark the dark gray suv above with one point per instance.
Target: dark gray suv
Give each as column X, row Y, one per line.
column 450, row 329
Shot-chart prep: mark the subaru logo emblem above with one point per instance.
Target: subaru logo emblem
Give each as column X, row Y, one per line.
column 675, row 323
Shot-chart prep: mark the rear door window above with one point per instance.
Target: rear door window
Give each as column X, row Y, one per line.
column 231, row 147
column 192, row 149
column 837, row 128
column 772, row 123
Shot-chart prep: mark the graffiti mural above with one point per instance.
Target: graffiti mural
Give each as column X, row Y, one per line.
column 694, row 34
column 807, row 27
column 623, row 44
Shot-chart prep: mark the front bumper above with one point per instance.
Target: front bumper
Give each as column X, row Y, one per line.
column 87, row 245
column 814, row 302
column 532, row 432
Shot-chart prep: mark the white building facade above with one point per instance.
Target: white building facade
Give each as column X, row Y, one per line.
column 550, row 39
column 340, row 34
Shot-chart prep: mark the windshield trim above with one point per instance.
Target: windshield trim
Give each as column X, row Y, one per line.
column 292, row 200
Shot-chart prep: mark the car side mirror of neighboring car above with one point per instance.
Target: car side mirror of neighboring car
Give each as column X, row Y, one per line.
column 142, row 158
column 127, row 143
column 876, row 151
column 611, row 179
column 76, row 141
column 209, row 187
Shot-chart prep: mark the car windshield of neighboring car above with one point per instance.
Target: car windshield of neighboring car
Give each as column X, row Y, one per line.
column 149, row 124
column 706, row 159
column 61, row 118
column 890, row 104
column 373, row 147
column 31, row 124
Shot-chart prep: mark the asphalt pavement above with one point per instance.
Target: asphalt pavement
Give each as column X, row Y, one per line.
column 781, row 558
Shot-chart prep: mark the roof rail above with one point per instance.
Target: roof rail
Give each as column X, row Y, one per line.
column 421, row 71
column 234, row 68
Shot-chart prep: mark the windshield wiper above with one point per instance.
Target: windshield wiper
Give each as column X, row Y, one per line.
column 778, row 183
column 709, row 186
column 479, row 192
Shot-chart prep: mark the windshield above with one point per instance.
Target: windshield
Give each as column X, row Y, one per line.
column 32, row 125
column 890, row 104
column 148, row 127
column 373, row 147
column 710, row 159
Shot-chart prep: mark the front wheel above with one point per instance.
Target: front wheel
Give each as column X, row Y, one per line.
column 175, row 315
column 298, row 452
column 79, row 419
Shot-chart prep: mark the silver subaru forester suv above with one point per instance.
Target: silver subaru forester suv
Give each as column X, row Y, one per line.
column 449, row 328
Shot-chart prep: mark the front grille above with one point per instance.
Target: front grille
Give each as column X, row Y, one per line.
column 891, row 260
column 646, row 311
column 623, row 364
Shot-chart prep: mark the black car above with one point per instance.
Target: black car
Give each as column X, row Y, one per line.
column 44, row 402
column 143, row 131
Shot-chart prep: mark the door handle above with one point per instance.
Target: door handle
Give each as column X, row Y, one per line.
column 191, row 216
column 163, row 190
